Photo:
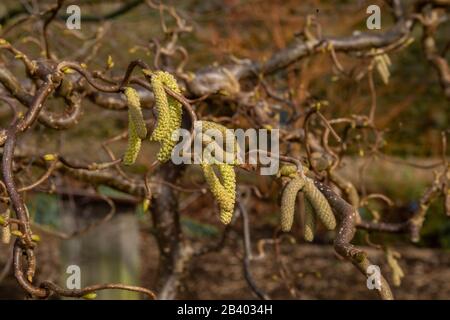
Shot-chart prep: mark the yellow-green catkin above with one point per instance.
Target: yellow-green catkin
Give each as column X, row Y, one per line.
column 382, row 63
column 320, row 204
column 169, row 113
column 134, row 144
column 392, row 257
column 308, row 232
column 6, row 231
column 224, row 189
column 229, row 183
column 135, row 112
column 288, row 200
column 224, row 192
column 287, row 171
column 228, row 139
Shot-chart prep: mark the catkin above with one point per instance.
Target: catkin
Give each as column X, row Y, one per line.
column 382, row 63
column 6, row 231
column 308, row 232
column 386, row 59
column 135, row 112
column 224, row 193
column 288, row 200
column 134, row 144
column 169, row 113
column 392, row 260
column 228, row 138
column 224, row 190
column 287, row 171
column 229, row 182
column 320, row 204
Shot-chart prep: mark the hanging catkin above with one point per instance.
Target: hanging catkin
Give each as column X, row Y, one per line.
column 6, row 231
column 169, row 113
column 224, row 189
column 134, row 144
column 288, row 200
column 136, row 126
column 320, row 204
column 308, row 232
column 224, row 193
column 382, row 63
column 210, row 131
column 135, row 112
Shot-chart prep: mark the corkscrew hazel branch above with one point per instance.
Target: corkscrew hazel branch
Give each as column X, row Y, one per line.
column 47, row 287
column 347, row 227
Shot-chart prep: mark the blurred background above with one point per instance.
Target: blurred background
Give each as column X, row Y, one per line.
column 412, row 109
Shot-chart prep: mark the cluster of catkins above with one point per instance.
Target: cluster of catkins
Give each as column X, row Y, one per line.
column 169, row 118
column 224, row 189
column 220, row 176
column 169, row 112
column 316, row 205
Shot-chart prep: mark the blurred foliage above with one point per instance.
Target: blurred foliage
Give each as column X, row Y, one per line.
column 411, row 108
column 436, row 229
column 44, row 209
column 196, row 229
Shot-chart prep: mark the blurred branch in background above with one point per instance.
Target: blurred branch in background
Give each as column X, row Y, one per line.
column 327, row 113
